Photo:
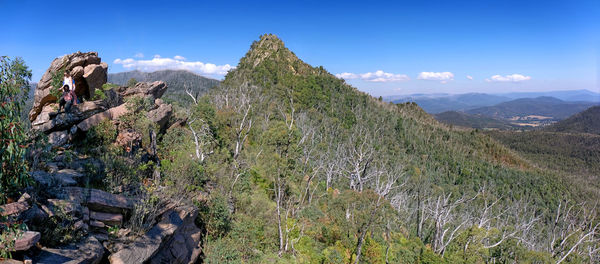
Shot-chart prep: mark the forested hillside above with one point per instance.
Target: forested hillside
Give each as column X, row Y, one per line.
column 177, row 80
column 587, row 121
column 472, row 121
column 576, row 155
column 281, row 162
column 301, row 167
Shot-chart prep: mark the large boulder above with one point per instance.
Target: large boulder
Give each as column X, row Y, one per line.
column 26, row 240
column 152, row 90
column 58, row 138
column 95, row 76
column 175, row 239
column 109, row 114
column 161, row 115
column 76, row 64
column 98, row 200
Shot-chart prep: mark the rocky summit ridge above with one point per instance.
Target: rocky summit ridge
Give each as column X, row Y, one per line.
column 63, row 196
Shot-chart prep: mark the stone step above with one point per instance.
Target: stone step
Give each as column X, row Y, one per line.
column 26, row 240
column 97, row 224
column 97, row 200
column 88, row 250
column 107, row 218
column 13, row 208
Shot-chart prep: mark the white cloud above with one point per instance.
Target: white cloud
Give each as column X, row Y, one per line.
column 175, row 63
column 509, row 78
column 139, row 55
column 378, row 76
column 443, row 77
column 469, row 77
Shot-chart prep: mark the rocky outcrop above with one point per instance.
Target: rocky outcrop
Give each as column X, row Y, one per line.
column 152, row 90
column 49, row 120
column 76, row 64
column 89, row 74
column 99, row 217
column 95, row 76
column 66, row 177
column 110, row 114
column 98, row 200
column 161, row 115
column 175, row 239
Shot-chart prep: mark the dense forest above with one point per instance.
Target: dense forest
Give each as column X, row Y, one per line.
column 288, row 164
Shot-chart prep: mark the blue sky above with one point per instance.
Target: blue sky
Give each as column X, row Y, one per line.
column 384, row 48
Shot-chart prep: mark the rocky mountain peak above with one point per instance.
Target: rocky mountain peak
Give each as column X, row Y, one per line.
column 268, row 47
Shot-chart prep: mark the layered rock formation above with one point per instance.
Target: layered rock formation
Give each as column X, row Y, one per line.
column 87, row 70
column 89, row 74
column 63, row 196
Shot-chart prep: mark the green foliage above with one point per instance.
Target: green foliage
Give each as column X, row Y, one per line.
column 137, row 120
column 57, row 83
column 145, row 212
column 99, row 95
column 108, row 86
column 59, row 229
column 214, row 216
column 222, row 251
column 102, row 134
column 305, row 124
column 14, row 87
column 576, row 155
column 10, row 230
column 132, row 82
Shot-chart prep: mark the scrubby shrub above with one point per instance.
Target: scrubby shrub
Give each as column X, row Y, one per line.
column 9, row 232
column 59, row 229
column 145, row 212
column 99, row 95
column 57, row 82
column 132, row 82
column 214, row 215
column 104, row 133
column 222, row 251
column 108, row 86
column 14, row 87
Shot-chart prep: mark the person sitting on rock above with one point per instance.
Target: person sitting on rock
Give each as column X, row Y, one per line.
column 68, row 81
column 67, row 99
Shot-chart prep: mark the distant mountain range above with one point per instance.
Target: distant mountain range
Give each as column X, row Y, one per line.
column 518, row 114
column 177, row 80
column 437, row 103
column 527, row 108
column 574, row 95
